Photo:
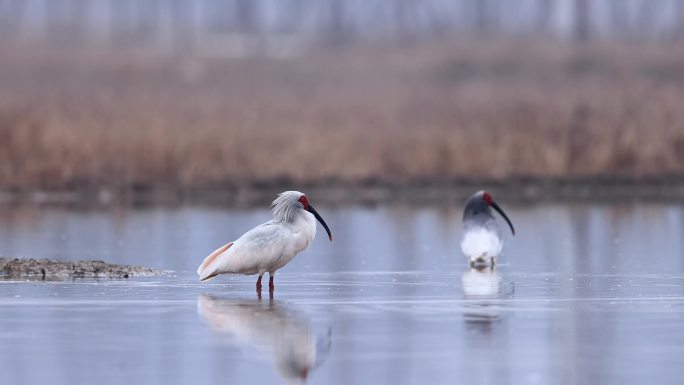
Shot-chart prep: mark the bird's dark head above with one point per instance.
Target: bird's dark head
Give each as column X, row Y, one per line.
column 480, row 204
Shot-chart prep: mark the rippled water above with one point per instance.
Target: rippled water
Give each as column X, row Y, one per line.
column 583, row 295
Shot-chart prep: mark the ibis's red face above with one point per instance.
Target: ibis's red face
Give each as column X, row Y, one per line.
column 487, row 198
column 304, row 202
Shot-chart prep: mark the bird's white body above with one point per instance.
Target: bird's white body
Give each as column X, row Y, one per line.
column 269, row 246
column 265, row 248
column 482, row 242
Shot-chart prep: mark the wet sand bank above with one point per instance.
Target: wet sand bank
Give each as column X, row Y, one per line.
column 54, row 269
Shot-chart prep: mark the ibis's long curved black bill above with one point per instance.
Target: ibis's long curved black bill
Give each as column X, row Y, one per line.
column 313, row 211
column 503, row 214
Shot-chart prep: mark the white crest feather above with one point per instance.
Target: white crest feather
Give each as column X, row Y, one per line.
column 285, row 206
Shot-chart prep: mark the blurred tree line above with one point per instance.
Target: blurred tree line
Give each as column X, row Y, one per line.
column 188, row 23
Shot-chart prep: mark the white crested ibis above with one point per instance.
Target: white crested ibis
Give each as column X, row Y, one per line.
column 269, row 246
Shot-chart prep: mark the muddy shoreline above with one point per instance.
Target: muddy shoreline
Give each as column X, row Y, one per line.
column 515, row 190
column 48, row 269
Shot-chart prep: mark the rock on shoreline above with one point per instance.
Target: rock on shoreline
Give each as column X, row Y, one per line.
column 50, row 268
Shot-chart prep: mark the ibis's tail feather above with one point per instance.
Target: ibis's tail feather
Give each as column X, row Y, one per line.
column 208, row 278
column 207, row 269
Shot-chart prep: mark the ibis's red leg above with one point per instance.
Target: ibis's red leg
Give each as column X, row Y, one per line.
column 271, row 286
column 258, row 287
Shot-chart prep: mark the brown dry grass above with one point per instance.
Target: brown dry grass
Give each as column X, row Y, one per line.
column 70, row 119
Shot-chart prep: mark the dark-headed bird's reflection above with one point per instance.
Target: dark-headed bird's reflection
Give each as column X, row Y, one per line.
column 481, row 283
column 482, row 286
column 268, row 326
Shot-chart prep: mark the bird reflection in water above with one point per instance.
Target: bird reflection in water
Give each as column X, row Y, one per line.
column 482, row 287
column 268, row 326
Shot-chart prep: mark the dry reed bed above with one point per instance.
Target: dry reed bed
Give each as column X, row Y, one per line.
column 72, row 119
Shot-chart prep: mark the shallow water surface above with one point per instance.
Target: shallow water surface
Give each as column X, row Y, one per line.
column 583, row 295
